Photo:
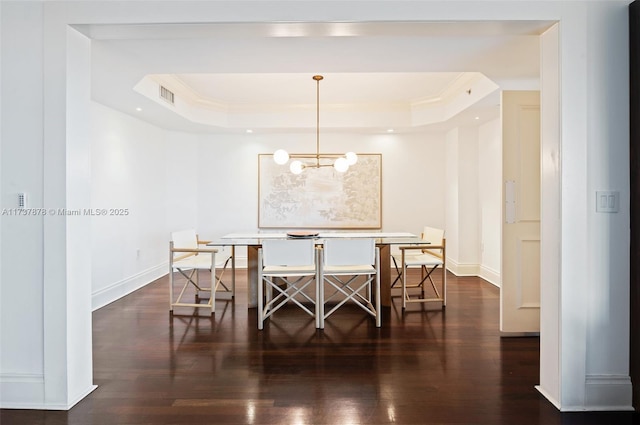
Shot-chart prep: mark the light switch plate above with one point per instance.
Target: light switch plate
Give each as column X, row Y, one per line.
column 607, row 201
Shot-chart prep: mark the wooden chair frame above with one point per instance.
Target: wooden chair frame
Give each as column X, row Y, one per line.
column 428, row 265
column 185, row 261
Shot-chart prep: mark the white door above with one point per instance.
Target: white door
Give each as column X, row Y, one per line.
column 520, row 289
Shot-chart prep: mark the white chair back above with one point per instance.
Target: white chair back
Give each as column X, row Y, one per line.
column 185, row 239
column 435, row 236
column 288, row 252
column 349, row 252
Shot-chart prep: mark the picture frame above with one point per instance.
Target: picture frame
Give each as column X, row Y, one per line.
column 320, row 198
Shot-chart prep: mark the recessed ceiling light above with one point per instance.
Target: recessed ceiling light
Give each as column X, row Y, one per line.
column 138, row 109
column 390, row 130
column 477, row 118
column 249, row 130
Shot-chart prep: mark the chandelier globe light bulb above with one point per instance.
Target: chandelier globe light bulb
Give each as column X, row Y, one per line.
column 280, row 157
column 296, row 167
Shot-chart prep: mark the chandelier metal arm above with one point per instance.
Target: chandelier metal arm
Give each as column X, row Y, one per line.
column 342, row 162
column 313, row 155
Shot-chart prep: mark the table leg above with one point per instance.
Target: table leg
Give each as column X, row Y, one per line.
column 233, row 271
column 385, row 274
column 252, row 276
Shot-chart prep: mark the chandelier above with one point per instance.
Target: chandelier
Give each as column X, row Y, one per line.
column 303, row 161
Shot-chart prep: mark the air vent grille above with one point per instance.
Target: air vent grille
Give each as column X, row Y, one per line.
column 166, row 94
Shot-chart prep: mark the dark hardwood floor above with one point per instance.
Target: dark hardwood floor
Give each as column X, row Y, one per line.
column 426, row 366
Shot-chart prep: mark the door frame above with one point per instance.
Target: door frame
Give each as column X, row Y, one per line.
column 634, row 177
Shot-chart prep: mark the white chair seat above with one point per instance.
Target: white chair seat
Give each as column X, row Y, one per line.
column 424, row 259
column 349, row 270
column 201, row 261
column 281, row 271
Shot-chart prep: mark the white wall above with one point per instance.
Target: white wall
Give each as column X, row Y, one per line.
column 228, row 175
column 473, row 201
column 181, row 197
column 167, row 181
column 146, row 183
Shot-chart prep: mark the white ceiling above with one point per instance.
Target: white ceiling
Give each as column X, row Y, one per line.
column 337, row 88
column 249, row 65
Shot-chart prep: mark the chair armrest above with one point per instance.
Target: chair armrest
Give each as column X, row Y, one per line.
column 426, row 248
column 203, row 242
column 189, row 252
column 194, row 250
column 420, row 247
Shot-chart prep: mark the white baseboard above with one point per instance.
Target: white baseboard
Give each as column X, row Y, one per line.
column 124, row 287
column 26, row 391
column 608, row 392
column 75, row 400
column 548, row 396
column 463, row 269
column 602, row 393
column 486, row 273
column 490, row 275
column 21, row 391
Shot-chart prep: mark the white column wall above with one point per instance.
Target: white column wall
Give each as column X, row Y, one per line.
column 607, row 379
column 550, row 214
column 469, row 201
column 462, row 202
column 79, row 349
column 490, row 200
column 452, row 206
column 574, row 232
column 21, row 129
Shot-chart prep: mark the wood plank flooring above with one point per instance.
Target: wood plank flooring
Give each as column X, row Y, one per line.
column 424, row 366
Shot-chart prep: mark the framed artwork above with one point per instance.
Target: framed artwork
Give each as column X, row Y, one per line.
column 320, row 198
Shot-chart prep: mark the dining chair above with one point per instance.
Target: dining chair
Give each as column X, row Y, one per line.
column 286, row 268
column 427, row 257
column 350, row 268
column 187, row 258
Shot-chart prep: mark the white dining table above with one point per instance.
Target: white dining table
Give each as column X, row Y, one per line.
column 253, row 241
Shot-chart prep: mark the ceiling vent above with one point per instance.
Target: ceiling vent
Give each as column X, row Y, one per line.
column 166, row 94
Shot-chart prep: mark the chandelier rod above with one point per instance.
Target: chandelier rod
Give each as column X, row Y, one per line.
column 318, row 78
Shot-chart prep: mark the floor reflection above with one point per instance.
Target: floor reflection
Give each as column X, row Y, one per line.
column 424, row 365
